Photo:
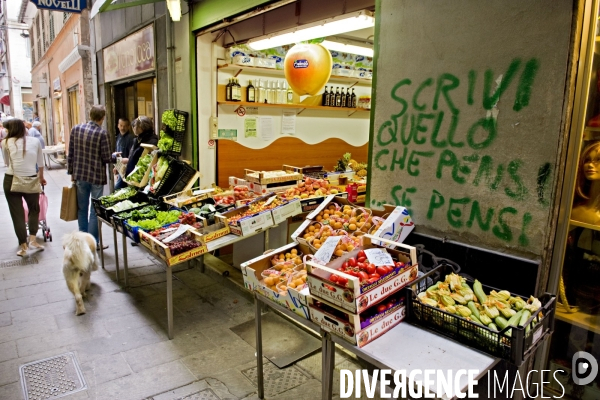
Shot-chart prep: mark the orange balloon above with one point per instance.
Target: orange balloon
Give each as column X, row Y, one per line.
column 307, row 68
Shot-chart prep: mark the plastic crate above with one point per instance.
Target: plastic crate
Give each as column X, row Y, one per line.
column 178, row 136
column 179, row 176
column 106, row 214
column 181, row 117
column 119, row 222
column 515, row 349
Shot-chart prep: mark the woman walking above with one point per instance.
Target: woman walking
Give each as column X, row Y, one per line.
column 22, row 154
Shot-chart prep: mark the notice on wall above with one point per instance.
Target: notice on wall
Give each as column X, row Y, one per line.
column 141, row 106
column 288, row 123
column 230, row 134
column 266, row 128
column 250, row 127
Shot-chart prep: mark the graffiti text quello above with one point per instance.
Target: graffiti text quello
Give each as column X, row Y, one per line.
column 428, row 115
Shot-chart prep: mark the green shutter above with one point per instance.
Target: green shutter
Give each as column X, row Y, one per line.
column 207, row 12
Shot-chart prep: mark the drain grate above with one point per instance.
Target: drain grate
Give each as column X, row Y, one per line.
column 52, row 377
column 206, row 394
column 276, row 380
column 20, row 262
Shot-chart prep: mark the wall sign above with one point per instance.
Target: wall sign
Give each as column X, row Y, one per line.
column 70, row 6
column 130, row 56
column 56, row 84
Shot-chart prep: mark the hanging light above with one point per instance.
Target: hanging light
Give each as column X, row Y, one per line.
column 174, row 7
column 332, row 26
column 348, row 48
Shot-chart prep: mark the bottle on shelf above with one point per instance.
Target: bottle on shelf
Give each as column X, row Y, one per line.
column 325, row 98
column 338, row 97
column 343, row 99
column 268, row 93
column 238, row 90
column 250, row 92
column 280, row 93
column 348, row 99
column 259, row 91
column 228, row 96
column 353, row 102
column 289, row 94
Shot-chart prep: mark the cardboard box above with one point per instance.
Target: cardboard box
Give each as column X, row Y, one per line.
column 287, row 174
column 349, row 327
column 282, row 213
column 396, row 227
column 162, row 250
column 189, row 196
column 294, row 300
column 243, row 60
column 354, row 297
column 261, row 189
column 233, row 181
column 247, row 225
column 311, row 204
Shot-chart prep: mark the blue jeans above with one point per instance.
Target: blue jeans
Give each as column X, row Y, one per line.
column 120, row 184
column 87, row 224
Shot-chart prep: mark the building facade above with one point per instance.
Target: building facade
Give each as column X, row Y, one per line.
column 61, row 71
column 15, row 59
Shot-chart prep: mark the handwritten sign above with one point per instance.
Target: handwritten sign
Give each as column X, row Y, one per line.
column 272, row 199
column 180, row 231
column 379, row 257
column 326, row 250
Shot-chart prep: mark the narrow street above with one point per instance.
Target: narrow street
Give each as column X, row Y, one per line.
column 121, row 342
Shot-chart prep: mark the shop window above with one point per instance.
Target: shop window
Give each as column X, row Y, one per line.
column 51, row 23
column 39, row 48
column 73, row 106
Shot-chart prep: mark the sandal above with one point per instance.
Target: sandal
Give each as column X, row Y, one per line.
column 22, row 250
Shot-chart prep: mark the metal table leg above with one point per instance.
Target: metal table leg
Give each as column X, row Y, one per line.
column 124, row 238
column 101, row 242
column 200, row 261
column 259, row 361
column 170, row 300
column 116, row 253
column 328, row 357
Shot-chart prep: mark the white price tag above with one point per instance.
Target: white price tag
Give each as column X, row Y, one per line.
column 180, row 231
column 326, row 250
column 272, row 199
column 379, row 257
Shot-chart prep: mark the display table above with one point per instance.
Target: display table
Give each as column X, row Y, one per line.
column 103, row 221
column 50, row 153
column 404, row 347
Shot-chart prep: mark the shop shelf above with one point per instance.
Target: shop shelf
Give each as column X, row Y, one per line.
column 515, row 349
column 237, row 69
column 295, row 106
column 580, row 319
column 584, row 225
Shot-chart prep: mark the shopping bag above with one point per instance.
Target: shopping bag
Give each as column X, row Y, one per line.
column 68, row 204
column 43, row 207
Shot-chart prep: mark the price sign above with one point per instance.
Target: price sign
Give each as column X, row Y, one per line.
column 180, row 231
column 272, row 199
column 326, row 250
column 379, row 257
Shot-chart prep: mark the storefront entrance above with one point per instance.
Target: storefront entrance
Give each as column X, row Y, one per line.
column 135, row 99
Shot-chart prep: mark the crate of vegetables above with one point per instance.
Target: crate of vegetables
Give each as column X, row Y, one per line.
column 102, row 204
column 178, row 177
column 174, row 244
column 162, row 218
column 280, row 275
column 140, row 174
column 145, row 212
column 172, row 133
column 359, row 329
column 364, row 276
column 498, row 322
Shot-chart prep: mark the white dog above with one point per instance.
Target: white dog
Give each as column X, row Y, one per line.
column 79, row 261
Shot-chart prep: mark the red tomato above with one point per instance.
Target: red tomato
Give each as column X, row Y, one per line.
column 361, row 266
column 382, row 270
column 381, row 308
column 373, row 279
column 345, row 266
column 352, row 272
column 370, row 269
column 390, row 305
column 361, row 259
column 333, row 278
column 375, row 275
column 342, row 281
column 352, row 262
column 363, row 276
column 361, row 253
column 399, row 264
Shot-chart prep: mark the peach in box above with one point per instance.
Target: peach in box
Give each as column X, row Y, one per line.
column 353, row 296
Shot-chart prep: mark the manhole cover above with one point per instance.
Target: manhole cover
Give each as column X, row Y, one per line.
column 206, row 394
column 52, row 377
column 17, row 263
column 276, row 380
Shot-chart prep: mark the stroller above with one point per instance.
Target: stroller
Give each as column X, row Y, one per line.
column 42, row 220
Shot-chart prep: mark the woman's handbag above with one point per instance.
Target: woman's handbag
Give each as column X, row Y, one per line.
column 24, row 184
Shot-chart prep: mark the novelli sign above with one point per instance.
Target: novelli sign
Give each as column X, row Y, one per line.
column 72, row 6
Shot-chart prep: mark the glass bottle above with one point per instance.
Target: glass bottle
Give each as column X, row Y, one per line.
column 238, row 90
column 289, row 94
column 343, row 99
column 259, row 91
column 280, row 93
column 228, row 91
column 353, row 101
column 325, row 97
column 250, row 92
column 338, row 97
column 268, row 94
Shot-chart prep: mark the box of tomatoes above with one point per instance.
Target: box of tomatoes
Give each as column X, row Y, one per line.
column 280, row 275
column 359, row 329
column 364, row 276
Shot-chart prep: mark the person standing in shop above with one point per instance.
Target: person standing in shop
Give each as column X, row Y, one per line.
column 35, row 132
column 143, row 129
column 125, row 141
column 89, row 152
column 22, row 155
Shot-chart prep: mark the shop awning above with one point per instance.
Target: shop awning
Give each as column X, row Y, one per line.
column 5, row 100
column 108, row 5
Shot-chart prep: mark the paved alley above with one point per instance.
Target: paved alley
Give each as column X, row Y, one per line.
column 121, row 343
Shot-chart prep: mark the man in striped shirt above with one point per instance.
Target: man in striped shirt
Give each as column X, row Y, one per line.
column 89, row 152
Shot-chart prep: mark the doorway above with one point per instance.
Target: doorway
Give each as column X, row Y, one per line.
column 73, row 106
column 58, row 120
column 135, row 99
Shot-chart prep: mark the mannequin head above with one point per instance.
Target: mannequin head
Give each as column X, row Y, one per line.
column 589, row 169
